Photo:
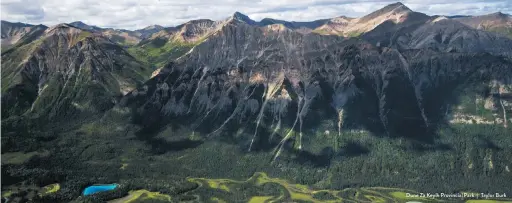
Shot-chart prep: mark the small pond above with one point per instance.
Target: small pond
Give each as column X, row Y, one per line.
column 99, row 188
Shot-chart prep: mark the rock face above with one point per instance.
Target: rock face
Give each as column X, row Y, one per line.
column 67, row 70
column 300, row 26
column 83, row 26
column 261, row 86
column 394, row 13
column 404, row 76
column 437, row 33
column 172, row 42
column 495, row 22
column 13, row 33
column 263, row 79
column 191, row 31
column 149, row 30
column 121, row 36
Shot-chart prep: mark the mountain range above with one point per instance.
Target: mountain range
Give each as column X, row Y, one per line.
column 346, row 26
column 273, row 84
column 27, row 67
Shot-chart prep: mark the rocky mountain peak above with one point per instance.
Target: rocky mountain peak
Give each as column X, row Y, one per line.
column 386, row 12
column 82, row 25
column 397, row 5
column 63, row 28
column 19, row 33
column 17, row 24
column 497, row 16
column 497, row 22
column 149, row 30
column 395, row 13
column 195, row 29
column 500, row 14
column 151, row 27
column 341, row 19
column 304, row 26
column 65, row 52
column 9, row 28
column 78, row 24
column 197, row 22
column 66, row 34
column 237, row 16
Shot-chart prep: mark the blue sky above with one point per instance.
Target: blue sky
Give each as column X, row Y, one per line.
column 134, row 14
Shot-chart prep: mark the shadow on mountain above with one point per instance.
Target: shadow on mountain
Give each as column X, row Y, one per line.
column 162, row 146
column 421, row 147
column 264, row 141
column 353, row 149
column 388, row 113
column 317, row 160
column 488, row 144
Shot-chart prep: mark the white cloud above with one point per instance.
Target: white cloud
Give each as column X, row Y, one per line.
column 133, row 14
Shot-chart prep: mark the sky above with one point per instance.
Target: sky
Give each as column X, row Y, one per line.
column 136, row 14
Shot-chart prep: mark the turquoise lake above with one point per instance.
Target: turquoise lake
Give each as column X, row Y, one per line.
column 99, row 188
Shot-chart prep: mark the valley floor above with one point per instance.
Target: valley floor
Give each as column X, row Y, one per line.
column 465, row 158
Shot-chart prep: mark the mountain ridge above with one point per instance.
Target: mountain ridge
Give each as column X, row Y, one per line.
column 393, row 99
column 324, row 26
column 12, row 33
column 495, row 22
column 240, row 15
column 34, row 67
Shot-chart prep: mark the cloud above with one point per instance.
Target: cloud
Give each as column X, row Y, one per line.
column 134, row 14
column 26, row 9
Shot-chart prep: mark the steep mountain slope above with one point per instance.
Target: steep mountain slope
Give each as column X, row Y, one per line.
column 261, row 77
column 276, row 91
column 494, row 22
column 125, row 38
column 83, row 26
column 172, row 42
column 334, row 26
column 14, row 34
column 149, row 30
column 415, row 102
column 66, row 71
column 121, row 36
column 300, row 26
column 396, row 13
column 438, row 33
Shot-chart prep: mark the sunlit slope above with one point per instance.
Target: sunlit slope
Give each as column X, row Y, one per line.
column 262, row 188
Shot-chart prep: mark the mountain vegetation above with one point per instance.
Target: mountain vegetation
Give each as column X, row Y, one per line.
column 361, row 109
